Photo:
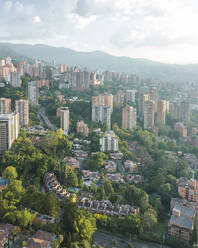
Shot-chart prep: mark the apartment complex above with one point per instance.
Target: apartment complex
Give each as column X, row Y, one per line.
column 33, row 92
column 102, row 114
column 149, row 111
column 64, row 119
column 181, row 223
column 22, row 107
column 181, row 129
column 109, row 142
column 130, row 95
column 9, row 130
column 129, row 117
column 188, row 189
column 141, row 101
column 81, row 127
column 161, row 112
column 181, row 112
column 5, row 105
column 104, row 100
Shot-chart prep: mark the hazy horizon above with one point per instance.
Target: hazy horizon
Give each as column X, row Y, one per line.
column 159, row 31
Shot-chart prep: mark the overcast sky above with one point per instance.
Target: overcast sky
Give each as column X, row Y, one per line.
column 162, row 30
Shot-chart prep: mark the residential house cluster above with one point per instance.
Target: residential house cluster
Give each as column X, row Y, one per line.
column 136, row 179
column 106, row 207
column 72, row 162
column 130, row 166
column 52, row 184
column 41, row 239
column 94, row 206
column 90, row 175
column 8, row 233
column 110, row 166
column 115, row 178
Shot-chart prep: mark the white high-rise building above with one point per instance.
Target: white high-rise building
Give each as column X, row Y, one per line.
column 102, row 114
column 64, row 119
column 33, row 92
column 9, row 130
column 149, row 112
column 130, row 95
column 22, row 107
column 109, row 142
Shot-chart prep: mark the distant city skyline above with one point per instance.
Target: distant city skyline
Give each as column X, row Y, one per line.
column 157, row 30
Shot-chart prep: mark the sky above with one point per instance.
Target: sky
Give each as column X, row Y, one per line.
column 160, row 30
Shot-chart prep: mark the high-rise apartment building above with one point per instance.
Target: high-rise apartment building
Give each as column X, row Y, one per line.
column 64, row 119
column 154, row 96
column 9, row 130
column 22, row 107
column 15, row 79
column 105, row 100
column 33, row 92
column 142, row 99
column 5, row 105
column 149, row 111
column 161, row 112
column 109, row 142
column 181, row 129
column 175, row 111
column 185, row 112
column 81, row 127
column 102, row 114
column 130, row 95
column 129, row 117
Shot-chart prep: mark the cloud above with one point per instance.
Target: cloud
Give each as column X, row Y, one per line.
column 36, row 19
column 117, row 26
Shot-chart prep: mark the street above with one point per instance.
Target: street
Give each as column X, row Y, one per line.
column 106, row 241
column 42, row 113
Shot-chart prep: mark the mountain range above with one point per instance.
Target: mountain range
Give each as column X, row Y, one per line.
column 98, row 60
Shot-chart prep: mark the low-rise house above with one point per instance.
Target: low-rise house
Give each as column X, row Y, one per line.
column 116, row 177
column 110, row 166
column 72, row 162
column 137, row 179
column 8, row 233
column 181, row 223
column 91, row 175
column 116, row 156
column 106, row 207
column 80, row 154
column 41, row 239
column 52, row 184
column 130, row 166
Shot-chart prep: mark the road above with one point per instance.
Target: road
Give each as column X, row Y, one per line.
column 106, row 241
column 42, row 113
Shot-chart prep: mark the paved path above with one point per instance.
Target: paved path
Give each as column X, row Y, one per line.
column 106, row 241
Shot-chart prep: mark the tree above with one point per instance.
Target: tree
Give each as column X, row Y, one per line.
column 93, row 188
column 84, row 227
column 25, row 218
column 149, row 219
column 108, row 187
column 77, row 224
column 10, row 173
